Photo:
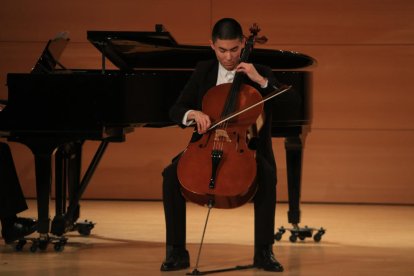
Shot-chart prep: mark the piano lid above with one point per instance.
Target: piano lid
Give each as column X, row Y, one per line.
column 137, row 50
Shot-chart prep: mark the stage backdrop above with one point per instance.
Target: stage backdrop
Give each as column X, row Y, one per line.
column 361, row 144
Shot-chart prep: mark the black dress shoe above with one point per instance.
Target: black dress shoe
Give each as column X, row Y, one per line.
column 265, row 259
column 177, row 258
column 20, row 228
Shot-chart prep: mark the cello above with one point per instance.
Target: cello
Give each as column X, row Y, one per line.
column 219, row 169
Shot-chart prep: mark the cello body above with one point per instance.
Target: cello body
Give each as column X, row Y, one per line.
column 219, row 169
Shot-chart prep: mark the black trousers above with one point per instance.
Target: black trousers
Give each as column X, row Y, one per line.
column 12, row 200
column 264, row 205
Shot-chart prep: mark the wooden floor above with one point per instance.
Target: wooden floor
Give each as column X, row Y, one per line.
column 128, row 239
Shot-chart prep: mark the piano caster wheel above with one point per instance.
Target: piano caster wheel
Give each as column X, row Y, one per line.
column 33, row 248
column 59, row 246
column 318, row 236
column 84, row 228
column 279, row 234
column 59, row 243
column 20, row 244
column 43, row 244
column 84, row 232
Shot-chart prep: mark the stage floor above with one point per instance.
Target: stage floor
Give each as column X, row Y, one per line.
column 128, row 239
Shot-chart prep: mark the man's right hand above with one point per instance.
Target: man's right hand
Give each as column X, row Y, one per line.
column 202, row 120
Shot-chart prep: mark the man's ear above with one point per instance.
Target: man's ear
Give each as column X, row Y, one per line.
column 212, row 44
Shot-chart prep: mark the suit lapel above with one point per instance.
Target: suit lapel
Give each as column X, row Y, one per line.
column 211, row 77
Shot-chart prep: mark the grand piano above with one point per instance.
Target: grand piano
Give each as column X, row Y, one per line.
column 53, row 110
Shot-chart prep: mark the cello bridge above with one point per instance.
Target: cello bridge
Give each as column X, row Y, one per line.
column 221, row 135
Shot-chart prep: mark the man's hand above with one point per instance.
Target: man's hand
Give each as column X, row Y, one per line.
column 202, row 120
column 252, row 73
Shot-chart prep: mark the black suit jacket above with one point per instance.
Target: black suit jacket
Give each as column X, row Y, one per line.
column 203, row 78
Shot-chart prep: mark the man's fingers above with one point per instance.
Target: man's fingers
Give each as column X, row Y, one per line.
column 203, row 122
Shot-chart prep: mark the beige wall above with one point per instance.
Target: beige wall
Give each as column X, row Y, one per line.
column 361, row 145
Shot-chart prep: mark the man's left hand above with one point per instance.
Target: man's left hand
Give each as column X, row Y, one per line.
column 251, row 72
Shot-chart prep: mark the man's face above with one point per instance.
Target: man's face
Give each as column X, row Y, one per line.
column 228, row 52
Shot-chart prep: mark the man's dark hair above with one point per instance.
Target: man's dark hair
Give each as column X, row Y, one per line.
column 227, row 28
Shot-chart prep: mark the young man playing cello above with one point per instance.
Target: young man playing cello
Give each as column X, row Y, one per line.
column 227, row 43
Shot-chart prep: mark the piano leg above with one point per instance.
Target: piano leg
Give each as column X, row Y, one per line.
column 66, row 220
column 60, row 183
column 293, row 147
column 67, row 182
column 75, row 198
column 74, row 171
column 43, row 168
column 294, row 154
column 42, row 149
column 68, row 171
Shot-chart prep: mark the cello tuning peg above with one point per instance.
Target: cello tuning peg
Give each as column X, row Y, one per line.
column 254, row 29
column 261, row 40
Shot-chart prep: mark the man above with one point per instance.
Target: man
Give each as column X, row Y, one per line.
column 227, row 43
column 12, row 200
